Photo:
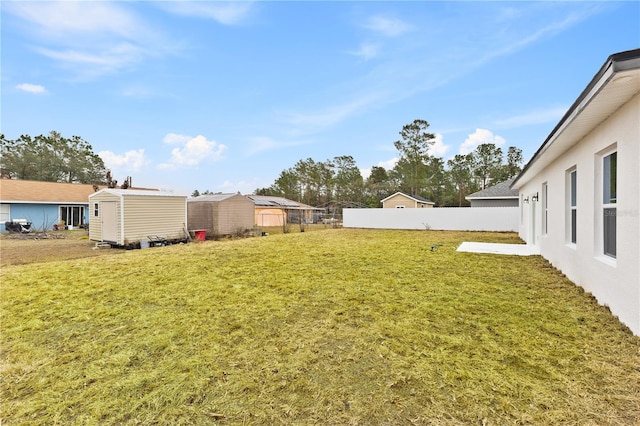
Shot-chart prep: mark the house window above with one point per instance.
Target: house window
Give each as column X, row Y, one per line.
column 96, row 209
column 572, row 210
column 609, row 200
column 399, row 207
column 72, row 215
column 545, row 209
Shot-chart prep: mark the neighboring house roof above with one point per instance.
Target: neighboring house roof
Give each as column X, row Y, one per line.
column 268, row 201
column 138, row 192
column 413, row 197
column 617, row 81
column 212, row 197
column 498, row 191
column 28, row 191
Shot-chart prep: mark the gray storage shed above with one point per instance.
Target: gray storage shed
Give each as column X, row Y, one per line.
column 220, row 214
column 127, row 217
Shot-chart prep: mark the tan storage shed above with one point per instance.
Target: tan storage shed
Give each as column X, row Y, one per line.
column 129, row 217
column 220, row 214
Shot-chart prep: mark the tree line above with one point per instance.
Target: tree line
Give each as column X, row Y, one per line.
column 51, row 158
column 417, row 172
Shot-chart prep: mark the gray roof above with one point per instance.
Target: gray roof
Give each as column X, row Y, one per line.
column 278, row 202
column 212, row 197
column 497, row 191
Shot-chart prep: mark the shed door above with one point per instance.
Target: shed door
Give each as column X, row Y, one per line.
column 109, row 221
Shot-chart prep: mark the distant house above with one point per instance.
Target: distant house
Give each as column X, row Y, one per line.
column 44, row 204
column 400, row 200
column 278, row 211
column 220, row 214
column 498, row 195
column 130, row 217
column 580, row 192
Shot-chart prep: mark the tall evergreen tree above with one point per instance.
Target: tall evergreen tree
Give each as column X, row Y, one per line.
column 51, row 158
column 414, row 153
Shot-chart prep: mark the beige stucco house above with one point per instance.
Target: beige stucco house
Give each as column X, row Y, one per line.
column 400, row 200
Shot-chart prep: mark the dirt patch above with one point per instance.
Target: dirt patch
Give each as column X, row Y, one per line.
column 16, row 249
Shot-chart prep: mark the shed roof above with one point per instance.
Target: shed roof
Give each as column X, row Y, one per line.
column 31, row 191
column 617, row 81
column 213, row 197
column 500, row 190
column 278, row 202
column 413, row 197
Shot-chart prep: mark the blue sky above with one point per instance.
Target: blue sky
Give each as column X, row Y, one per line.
column 224, row 96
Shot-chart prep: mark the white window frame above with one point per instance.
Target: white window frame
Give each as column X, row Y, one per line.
column 545, row 208
column 70, row 210
column 608, row 202
column 571, row 222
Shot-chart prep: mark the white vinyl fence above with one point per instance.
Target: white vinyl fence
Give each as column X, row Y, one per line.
column 440, row 218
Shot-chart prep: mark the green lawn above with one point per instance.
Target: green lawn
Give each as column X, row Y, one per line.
column 338, row 326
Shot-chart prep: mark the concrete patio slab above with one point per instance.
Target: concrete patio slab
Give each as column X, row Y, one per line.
column 494, row 248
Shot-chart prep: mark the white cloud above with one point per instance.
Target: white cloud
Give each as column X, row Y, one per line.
column 31, row 88
column 259, row 144
column 390, row 27
column 438, row 149
column 550, row 115
column 227, row 13
column 173, row 138
column 479, row 137
column 367, row 51
column 192, row 151
column 109, row 59
column 62, row 18
column 89, row 39
column 335, row 113
column 129, row 161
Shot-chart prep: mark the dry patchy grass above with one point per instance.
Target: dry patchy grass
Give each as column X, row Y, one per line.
column 19, row 249
column 337, row 327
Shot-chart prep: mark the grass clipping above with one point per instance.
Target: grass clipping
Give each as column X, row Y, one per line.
column 333, row 327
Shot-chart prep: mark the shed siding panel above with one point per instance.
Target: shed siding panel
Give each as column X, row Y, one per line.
column 223, row 217
column 235, row 215
column 200, row 216
column 154, row 215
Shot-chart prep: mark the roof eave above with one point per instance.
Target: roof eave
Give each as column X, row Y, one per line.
column 506, row 197
column 618, row 62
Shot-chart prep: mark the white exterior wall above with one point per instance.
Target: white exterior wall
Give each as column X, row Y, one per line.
column 614, row 282
column 446, row 218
